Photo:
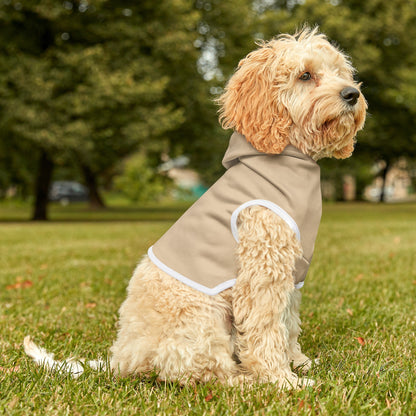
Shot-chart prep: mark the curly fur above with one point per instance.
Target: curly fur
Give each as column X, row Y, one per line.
column 239, row 335
column 250, row 332
column 267, row 102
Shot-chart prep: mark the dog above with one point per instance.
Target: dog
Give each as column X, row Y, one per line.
column 217, row 297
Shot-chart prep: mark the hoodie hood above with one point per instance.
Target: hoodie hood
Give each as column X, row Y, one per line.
column 239, row 148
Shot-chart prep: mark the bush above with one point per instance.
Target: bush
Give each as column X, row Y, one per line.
column 140, row 182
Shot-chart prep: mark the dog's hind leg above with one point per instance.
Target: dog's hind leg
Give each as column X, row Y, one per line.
column 199, row 345
column 199, row 350
column 168, row 327
column 141, row 323
column 267, row 252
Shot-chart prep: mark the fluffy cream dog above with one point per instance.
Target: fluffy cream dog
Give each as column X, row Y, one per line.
column 294, row 90
column 290, row 103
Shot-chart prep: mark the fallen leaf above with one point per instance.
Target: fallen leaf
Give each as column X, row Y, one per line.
column 360, row 340
column 301, row 404
column 350, row 312
column 91, row 305
column 209, row 396
column 414, row 282
column 20, row 285
column 359, row 277
column 11, row 287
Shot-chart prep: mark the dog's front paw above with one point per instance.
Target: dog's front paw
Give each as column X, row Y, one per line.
column 295, row 382
column 306, row 382
column 303, row 364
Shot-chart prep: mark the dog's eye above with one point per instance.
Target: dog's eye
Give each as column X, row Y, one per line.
column 306, row 76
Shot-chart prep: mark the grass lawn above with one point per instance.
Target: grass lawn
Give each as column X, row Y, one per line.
column 62, row 282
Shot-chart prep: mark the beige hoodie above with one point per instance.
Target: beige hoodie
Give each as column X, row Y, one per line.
column 200, row 248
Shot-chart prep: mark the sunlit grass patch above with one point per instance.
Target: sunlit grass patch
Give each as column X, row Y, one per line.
column 63, row 282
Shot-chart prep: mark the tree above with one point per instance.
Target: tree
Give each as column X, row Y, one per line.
column 79, row 83
column 223, row 35
column 90, row 83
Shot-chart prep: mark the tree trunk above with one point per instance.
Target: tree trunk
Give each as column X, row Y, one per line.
column 42, row 185
column 383, row 185
column 90, row 178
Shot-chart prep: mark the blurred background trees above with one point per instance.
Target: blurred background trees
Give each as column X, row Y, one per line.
column 87, row 85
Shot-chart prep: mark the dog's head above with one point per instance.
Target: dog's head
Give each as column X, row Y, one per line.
column 295, row 90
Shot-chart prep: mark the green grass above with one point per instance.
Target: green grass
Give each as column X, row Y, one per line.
column 62, row 282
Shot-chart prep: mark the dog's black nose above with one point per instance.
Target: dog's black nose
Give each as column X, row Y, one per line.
column 350, row 95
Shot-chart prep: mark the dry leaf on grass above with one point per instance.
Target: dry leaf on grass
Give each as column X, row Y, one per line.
column 359, row 277
column 302, row 404
column 209, row 396
column 91, row 305
column 360, row 340
column 350, row 312
column 20, row 285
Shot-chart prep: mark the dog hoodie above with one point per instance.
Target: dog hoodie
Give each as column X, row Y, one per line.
column 200, row 248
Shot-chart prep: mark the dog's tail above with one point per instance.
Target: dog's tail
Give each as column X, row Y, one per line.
column 72, row 366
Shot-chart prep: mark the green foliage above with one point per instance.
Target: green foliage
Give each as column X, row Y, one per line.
column 93, row 82
column 223, row 36
column 86, row 92
column 139, row 181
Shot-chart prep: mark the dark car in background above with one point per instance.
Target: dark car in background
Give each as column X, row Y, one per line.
column 68, row 191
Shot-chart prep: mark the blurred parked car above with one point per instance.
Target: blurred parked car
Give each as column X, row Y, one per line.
column 68, row 191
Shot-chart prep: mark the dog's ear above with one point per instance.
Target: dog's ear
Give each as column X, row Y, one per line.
column 250, row 103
